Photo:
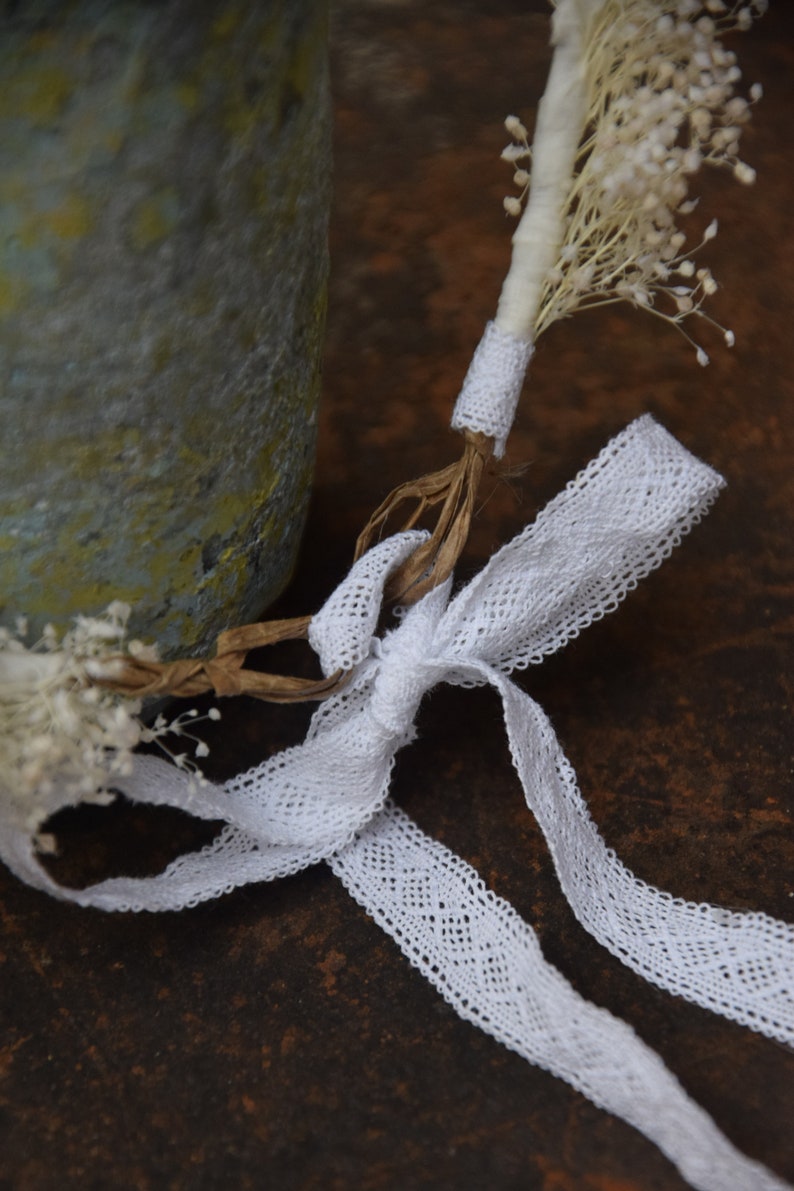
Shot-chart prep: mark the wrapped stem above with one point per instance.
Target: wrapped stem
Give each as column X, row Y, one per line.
column 561, row 119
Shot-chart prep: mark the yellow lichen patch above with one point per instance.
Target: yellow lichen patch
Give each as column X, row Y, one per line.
column 251, row 100
column 70, row 219
column 162, row 352
column 38, row 93
column 112, row 141
column 154, row 218
column 305, row 58
column 201, row 300
column 225, row 24
column 155, row 555
column 188, row 95
column 12, row 292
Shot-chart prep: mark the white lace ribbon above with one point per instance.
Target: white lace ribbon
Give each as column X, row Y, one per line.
column 487, row 963
column 327, row 799
column 492, row 386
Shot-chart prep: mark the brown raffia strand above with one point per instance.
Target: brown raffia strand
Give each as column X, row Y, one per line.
column 225, row 674
column 454, row 487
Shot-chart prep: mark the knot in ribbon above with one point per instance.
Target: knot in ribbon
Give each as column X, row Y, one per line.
column 405, row 667
column 326, row 799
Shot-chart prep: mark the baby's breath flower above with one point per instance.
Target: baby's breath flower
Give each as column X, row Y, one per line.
column 662, row 105
column 516, row 128
column 59, row 738
column 744, row 173
column 518, row 151
column 182, row 727
column 62, row 739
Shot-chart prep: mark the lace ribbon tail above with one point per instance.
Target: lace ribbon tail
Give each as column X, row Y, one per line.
column 740, row 965
column 487, row 963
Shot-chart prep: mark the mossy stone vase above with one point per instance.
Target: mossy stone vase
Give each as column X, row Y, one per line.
column 163, row 213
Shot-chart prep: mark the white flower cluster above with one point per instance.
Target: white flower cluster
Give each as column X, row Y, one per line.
column 62, row 737
column 662, row 104
column 180, row 727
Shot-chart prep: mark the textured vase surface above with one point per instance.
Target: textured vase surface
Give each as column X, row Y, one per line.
column 163, row 215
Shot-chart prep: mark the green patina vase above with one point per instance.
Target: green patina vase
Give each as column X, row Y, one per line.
column 164, row 170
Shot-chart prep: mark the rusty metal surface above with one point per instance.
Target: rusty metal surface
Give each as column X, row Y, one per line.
column 275, row 1038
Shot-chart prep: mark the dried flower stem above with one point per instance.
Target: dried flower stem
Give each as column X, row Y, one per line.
column 561, row 119
column 640, row 96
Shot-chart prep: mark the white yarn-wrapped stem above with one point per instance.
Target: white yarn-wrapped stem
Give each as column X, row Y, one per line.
column 490, row 392
column 562, row 114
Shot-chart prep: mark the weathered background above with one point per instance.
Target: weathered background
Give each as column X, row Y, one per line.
column 276, row 1038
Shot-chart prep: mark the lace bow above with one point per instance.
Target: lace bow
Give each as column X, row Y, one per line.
column 327, row 799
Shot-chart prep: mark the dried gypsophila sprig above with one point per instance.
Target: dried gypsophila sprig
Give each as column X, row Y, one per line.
column 659, row 103
column 63, row 739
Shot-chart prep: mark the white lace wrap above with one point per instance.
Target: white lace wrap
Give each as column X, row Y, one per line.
column 327, row 799
column 491, row 388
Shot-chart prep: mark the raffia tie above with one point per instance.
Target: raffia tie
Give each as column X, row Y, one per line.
column 327, row 799
column 225, row 673
column 455, row 489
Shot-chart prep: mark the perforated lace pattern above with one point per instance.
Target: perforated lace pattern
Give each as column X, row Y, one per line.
column 326, row 799
column 582, row 565
column 342, row 630
column 491, row 388
column 487, row 963
column 737, row 964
